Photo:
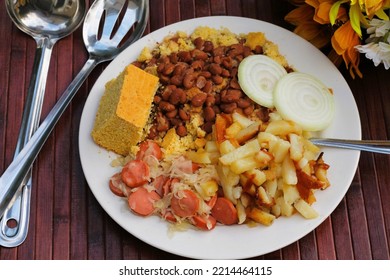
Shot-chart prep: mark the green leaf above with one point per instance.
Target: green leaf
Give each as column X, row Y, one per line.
column 354, row 16
column 334, row 10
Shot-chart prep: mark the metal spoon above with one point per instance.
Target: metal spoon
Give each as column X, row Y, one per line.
column 46, row 21
column 375, row 146
column 101, row 48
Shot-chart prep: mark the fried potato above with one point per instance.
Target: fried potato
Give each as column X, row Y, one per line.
column 256, row 176
column 248, row 133
column 242, row 120
column 289, row 173
column 305, row 209
column 261, row 216
column 248, row 149
column 244, row 164
column 283, row 127
column 199, row 156
column 296, row 146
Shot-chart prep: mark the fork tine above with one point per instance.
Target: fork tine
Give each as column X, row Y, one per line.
column 112, row 14
column 130, row 16
column 91, row 31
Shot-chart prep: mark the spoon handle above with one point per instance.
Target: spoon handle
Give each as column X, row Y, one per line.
column 19, row 212
column 375, row 146
column 20, row 166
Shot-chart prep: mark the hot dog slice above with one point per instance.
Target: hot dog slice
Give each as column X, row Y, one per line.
column 185, row 206
column 159, row 184
column 204, row 222
column 149, row 148
column 141, row 201
column 224, row 211
column 135, row 173
column 115, row 184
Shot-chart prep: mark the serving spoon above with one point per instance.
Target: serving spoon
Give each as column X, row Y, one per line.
column 46, row 21
column 124, row 22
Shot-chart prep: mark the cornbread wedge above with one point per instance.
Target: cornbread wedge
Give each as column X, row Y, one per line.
column 124, row 110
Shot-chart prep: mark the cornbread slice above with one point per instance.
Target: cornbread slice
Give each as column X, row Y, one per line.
column 124, row 110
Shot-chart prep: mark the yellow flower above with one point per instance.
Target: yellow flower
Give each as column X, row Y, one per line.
column 344, row 41
column 372, row 7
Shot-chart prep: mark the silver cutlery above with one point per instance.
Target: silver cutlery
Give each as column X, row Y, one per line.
column 46, row 21
column 375, row 146
column 124, row 22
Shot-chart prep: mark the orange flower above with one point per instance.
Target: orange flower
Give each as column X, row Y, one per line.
column 344, row 41
column 302, row 17
column 322, row 10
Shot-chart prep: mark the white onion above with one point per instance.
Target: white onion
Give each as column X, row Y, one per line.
column 305, row 100
column 257, row 76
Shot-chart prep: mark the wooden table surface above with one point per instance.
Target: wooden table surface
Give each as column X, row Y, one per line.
column 68, row 223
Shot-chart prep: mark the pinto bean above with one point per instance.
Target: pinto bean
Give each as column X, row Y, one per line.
column 208, row 127
column 199, row 99
column 167, row 92
column 258, row 50
column 208, row 114
column 243, row 103
column 160, row 67
column 189, row 81
column 230, row 95
column 197, row 65
column 247, row 51
column 184, row 115
column 208, row 46
column 218, row 51
column 217, row 79
column 171, row 114
column 225, row 73
column 215, row 69
column 210, row 100
column 173, row 58
column 228, row 108
column 199, row 43
column 227, row 62
column 182, row 95
column 249, row 110
column 198, row 54
column 166, row 106
column 205, row 74
column 174, row 98
column 184, row 56
column 208, row 87
column 177, row 80
column 181, row 130
column 180, row 68
column 168, row 69
column 234, row 84
column 200, row 82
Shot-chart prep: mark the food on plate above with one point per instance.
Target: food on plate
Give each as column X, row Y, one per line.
column 118, row 127
column 258, row 75
column 305, row 100
column 208, row 153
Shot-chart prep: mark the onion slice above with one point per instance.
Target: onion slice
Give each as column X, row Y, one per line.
column 257, row 76
column 304, row 99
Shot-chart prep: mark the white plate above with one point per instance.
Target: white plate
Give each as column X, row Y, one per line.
column 228, row 242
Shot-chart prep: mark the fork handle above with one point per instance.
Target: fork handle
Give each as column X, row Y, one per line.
column 20, row 166
column 375, row 146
